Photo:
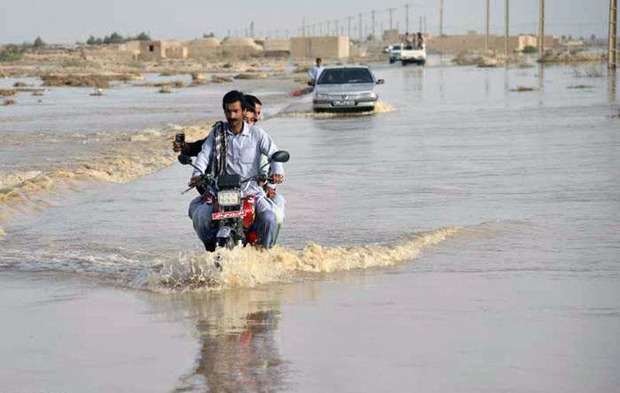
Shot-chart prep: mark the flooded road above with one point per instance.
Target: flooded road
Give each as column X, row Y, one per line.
column 466, row 241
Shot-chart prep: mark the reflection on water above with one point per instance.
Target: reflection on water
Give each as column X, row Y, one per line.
column 612, row 85
column 507, row 79
column 246, row 360
column 540, row 79
column 238, row 335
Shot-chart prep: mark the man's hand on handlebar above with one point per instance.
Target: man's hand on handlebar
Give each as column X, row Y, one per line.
column 277, row 178
column 193, row 182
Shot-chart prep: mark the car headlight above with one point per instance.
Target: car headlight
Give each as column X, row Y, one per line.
column 228, row 198
column 368, row 94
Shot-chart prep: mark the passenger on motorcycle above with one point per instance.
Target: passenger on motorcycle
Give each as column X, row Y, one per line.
column 245, row 144
column 253, row 115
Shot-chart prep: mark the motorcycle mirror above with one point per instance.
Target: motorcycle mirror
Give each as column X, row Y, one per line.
column 280, row 156
column 185, row 159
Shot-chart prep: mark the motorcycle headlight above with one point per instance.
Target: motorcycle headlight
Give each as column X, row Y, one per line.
column 228, row 198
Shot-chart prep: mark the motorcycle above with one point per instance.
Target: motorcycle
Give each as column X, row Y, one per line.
column 234, row 214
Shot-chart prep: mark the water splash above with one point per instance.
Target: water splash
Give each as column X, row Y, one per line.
column 250, row 267
column 120, row 158
column 380, row 107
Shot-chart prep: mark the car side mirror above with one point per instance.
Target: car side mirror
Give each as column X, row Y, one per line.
column 380, row 81
column 310, row 83
column 280, row 156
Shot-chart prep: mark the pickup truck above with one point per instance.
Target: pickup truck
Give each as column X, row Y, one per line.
column 412, row 54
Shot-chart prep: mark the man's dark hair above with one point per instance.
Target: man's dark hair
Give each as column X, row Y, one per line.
column 252, row 100
column 319, row 59
column 248, row 105
column 233, row 96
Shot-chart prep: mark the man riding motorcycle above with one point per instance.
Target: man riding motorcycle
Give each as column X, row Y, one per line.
column 235, row 147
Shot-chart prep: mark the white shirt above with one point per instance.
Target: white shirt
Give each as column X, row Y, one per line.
column 315, row 72
column 243, row 155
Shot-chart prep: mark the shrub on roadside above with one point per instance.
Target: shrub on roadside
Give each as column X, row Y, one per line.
column 10, row 53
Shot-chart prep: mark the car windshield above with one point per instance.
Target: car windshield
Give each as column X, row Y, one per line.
column 337, row 76
column 396, row 47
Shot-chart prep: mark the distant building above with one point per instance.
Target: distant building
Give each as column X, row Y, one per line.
column 453, row 44
column 277, row 47
column 131, row 46
column 155, row 50
column 574, row 43
column 325, row 47
column 241, row 46
column 204, row 47
column 524, row 40
column 391, row 36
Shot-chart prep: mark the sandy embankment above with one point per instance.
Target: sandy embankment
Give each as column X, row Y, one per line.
column 491, row 59
column 123, row 157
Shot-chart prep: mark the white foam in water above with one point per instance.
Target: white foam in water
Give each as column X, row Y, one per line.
column 249, row 267
column 380, row 107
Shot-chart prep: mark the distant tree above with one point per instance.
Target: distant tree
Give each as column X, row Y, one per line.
column 530, row 49
column 143, row 37
column 209, row 35
column 98, row 41
column 116, row 38
column 38, row 43
column 570, row 37
column 113, row 38
column 91, row 40
column 592, row 37
column 563, row 38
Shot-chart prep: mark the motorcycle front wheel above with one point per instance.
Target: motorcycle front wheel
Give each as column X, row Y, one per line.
column 226, row 242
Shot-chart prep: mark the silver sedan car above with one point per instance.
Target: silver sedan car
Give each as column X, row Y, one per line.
column 345, row 89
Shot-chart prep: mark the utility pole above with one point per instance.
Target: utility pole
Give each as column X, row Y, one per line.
column 420, row 27
column 372, row 14
column 349, row 26
column 541, row 28
column 613, row 31
column 328, row 30
column 337, row 29
column 440, row 18
column 303, row 27
column 486, row 37
column 391, row 11
column 407, row 18
column 360, row 26
column 507, row 32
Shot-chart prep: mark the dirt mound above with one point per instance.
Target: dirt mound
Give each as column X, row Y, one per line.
column 86, row 80
column 572, row 57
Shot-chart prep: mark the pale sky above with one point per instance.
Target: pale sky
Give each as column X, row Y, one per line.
column 67, row 21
